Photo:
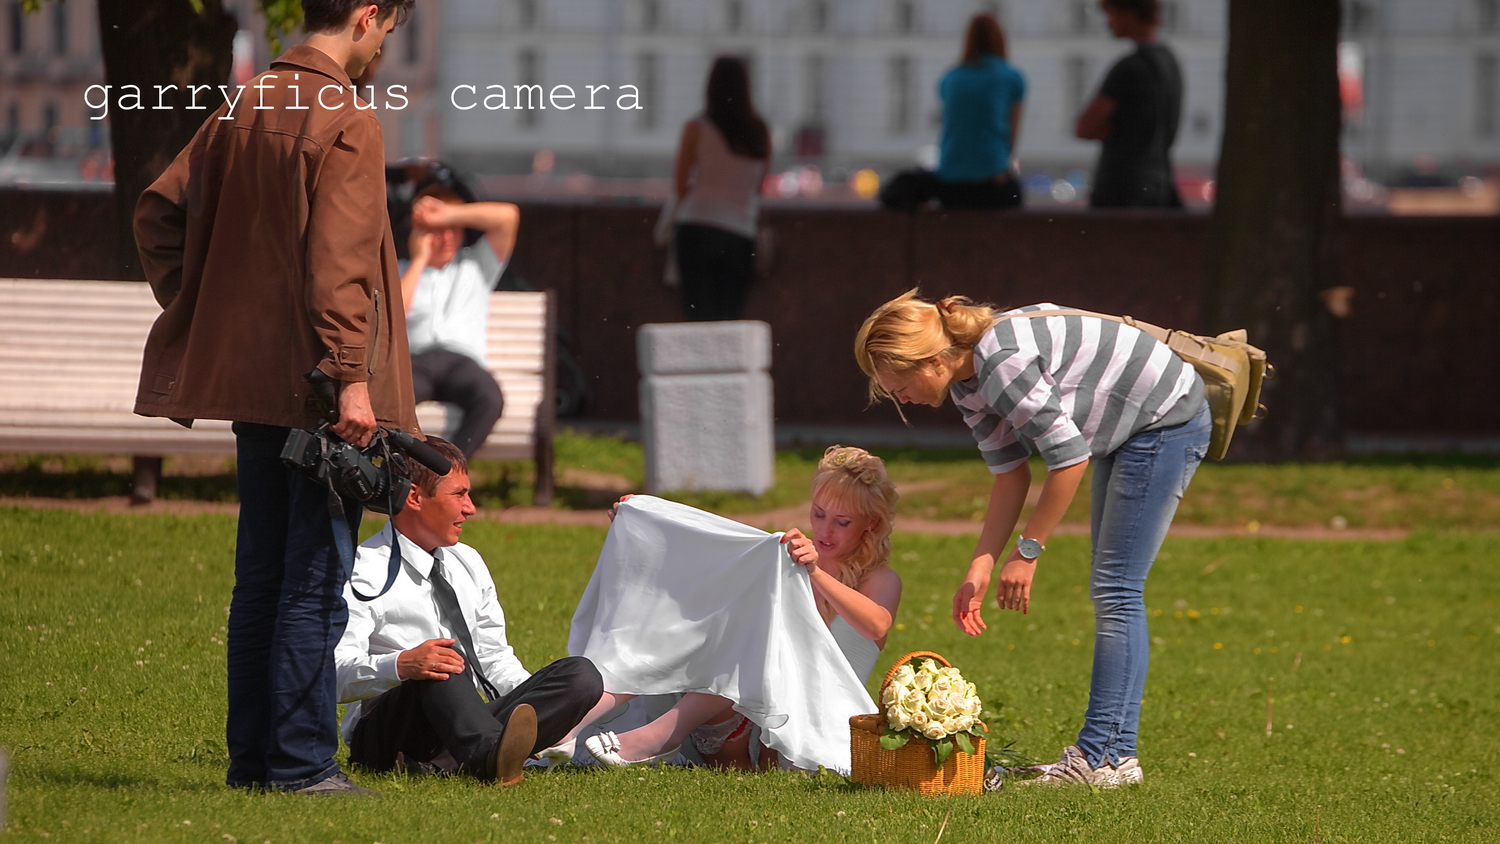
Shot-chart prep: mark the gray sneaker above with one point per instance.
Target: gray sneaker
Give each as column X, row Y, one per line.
column 337, row 785
column 1074, row 769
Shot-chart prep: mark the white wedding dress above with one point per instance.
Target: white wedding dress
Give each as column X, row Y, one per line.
column 687, row 601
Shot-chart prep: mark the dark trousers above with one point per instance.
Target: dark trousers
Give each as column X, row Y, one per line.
column 285, row 618
column 441, row 375
column 911, row 189
column 716, row 268
column 421, row 718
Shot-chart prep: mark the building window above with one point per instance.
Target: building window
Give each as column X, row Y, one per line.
column 1487, row 15
column 60, row 28
column 1359, row 17
column 413, row 37
column 1081, row 16
column 648, row 80
column 1171, row 16
column 529, row 71
column 49, row 122
column 815, row 104
column 817, row 16
column 528, row 15
column 1487, row 95
column 900, row 108
column 17, row 28
column 1077, row 74
column 905, row 14
column 734, row 16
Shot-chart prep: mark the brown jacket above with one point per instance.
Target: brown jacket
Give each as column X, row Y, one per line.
column 268, row 245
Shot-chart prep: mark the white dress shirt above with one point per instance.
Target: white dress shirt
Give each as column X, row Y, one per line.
column 408, row 615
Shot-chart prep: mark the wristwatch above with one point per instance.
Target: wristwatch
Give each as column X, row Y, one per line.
column 1029, row 548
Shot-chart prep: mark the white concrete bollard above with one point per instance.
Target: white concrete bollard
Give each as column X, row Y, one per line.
column 706, row 407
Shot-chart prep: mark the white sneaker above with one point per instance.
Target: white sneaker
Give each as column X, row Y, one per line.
column 1128, row 772
column 1074, row 769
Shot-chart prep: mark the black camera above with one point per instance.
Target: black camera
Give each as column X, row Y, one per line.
column 376, row 475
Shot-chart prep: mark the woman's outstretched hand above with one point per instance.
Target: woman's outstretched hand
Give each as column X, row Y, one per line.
column 1014, row 592
column 968, row 601
column 803, row 552
column 615, row 508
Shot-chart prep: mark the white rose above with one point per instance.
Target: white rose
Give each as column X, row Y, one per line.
column 971, row 706
column 918, row 719
column 934, row 730
column 903, row 676
column 962, row 722
column 913, row 699
column 923, row 682
column 930, row 668
column 953, row 674
column 890, row 695
column 942, row 684
column 897, row 718
column 971, row 690
column 951, row 725
column 940, row 704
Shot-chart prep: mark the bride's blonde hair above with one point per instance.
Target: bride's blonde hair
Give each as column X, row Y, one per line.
column 854, row 478
column 908, row 331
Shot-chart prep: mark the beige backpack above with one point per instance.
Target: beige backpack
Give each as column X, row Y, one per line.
column 1231, row 368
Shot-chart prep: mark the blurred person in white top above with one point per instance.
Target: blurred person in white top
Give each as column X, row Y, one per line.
column 721, row 162
column 446, row 287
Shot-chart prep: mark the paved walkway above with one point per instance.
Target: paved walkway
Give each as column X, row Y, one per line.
column 779, row 519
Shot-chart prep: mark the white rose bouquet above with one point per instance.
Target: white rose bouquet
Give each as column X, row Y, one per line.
column 934, row 702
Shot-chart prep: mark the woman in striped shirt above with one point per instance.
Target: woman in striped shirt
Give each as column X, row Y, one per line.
column 1077, row 389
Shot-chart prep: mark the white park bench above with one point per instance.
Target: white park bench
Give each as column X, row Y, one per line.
column 70, row 358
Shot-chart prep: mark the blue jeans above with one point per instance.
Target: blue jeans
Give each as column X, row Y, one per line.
column 285, row 618
column 1135, row 493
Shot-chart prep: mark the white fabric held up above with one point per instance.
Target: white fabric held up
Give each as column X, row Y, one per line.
column 683, row 600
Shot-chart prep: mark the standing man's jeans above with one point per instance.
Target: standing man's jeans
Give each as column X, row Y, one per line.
column 286, row 616
column 1136, row 490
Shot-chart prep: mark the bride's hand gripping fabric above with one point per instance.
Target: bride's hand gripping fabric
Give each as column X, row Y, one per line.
column 870, row 609
column 615, row 507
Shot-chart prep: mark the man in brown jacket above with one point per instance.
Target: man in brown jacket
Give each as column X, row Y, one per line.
column 267, row 244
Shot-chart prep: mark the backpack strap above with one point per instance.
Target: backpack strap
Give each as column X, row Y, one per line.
column 1187, row 346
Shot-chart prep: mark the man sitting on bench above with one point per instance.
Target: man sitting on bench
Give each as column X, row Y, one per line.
column 446, row 286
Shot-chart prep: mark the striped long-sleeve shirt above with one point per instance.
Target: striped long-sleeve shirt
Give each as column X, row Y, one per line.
column 1071, row 387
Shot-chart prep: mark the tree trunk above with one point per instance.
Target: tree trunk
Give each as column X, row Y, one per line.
column 149, row 43
column 1277, row 217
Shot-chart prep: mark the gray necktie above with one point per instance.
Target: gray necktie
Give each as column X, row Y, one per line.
column 447, row 602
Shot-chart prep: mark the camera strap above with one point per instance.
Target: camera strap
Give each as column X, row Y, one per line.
column 343, row 538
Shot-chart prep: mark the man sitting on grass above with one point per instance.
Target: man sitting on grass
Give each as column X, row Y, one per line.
column 413, row 662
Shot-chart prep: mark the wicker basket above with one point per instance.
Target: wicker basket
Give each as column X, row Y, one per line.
column 911, row 768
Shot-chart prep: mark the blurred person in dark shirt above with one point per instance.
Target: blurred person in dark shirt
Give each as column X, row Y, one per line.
column 1135, row 113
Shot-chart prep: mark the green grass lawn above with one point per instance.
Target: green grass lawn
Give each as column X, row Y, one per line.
column 1437, row 491
column 1381, row 657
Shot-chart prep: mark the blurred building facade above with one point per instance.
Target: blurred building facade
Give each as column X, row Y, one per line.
column 852, row 83
column 844, row 83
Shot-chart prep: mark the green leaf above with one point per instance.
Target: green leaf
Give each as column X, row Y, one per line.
column 941, row 750
column 893, row 740
column 964, row 743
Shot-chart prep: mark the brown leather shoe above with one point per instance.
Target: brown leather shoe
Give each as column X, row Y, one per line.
column 515, row 745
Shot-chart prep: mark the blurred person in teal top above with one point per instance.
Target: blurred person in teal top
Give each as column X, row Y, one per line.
column 982, row 99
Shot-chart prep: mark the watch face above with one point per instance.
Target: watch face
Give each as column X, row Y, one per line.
column 1029, row 548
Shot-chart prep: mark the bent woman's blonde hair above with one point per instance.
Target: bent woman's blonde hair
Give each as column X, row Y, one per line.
column 908, row 331
column 854, row 478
